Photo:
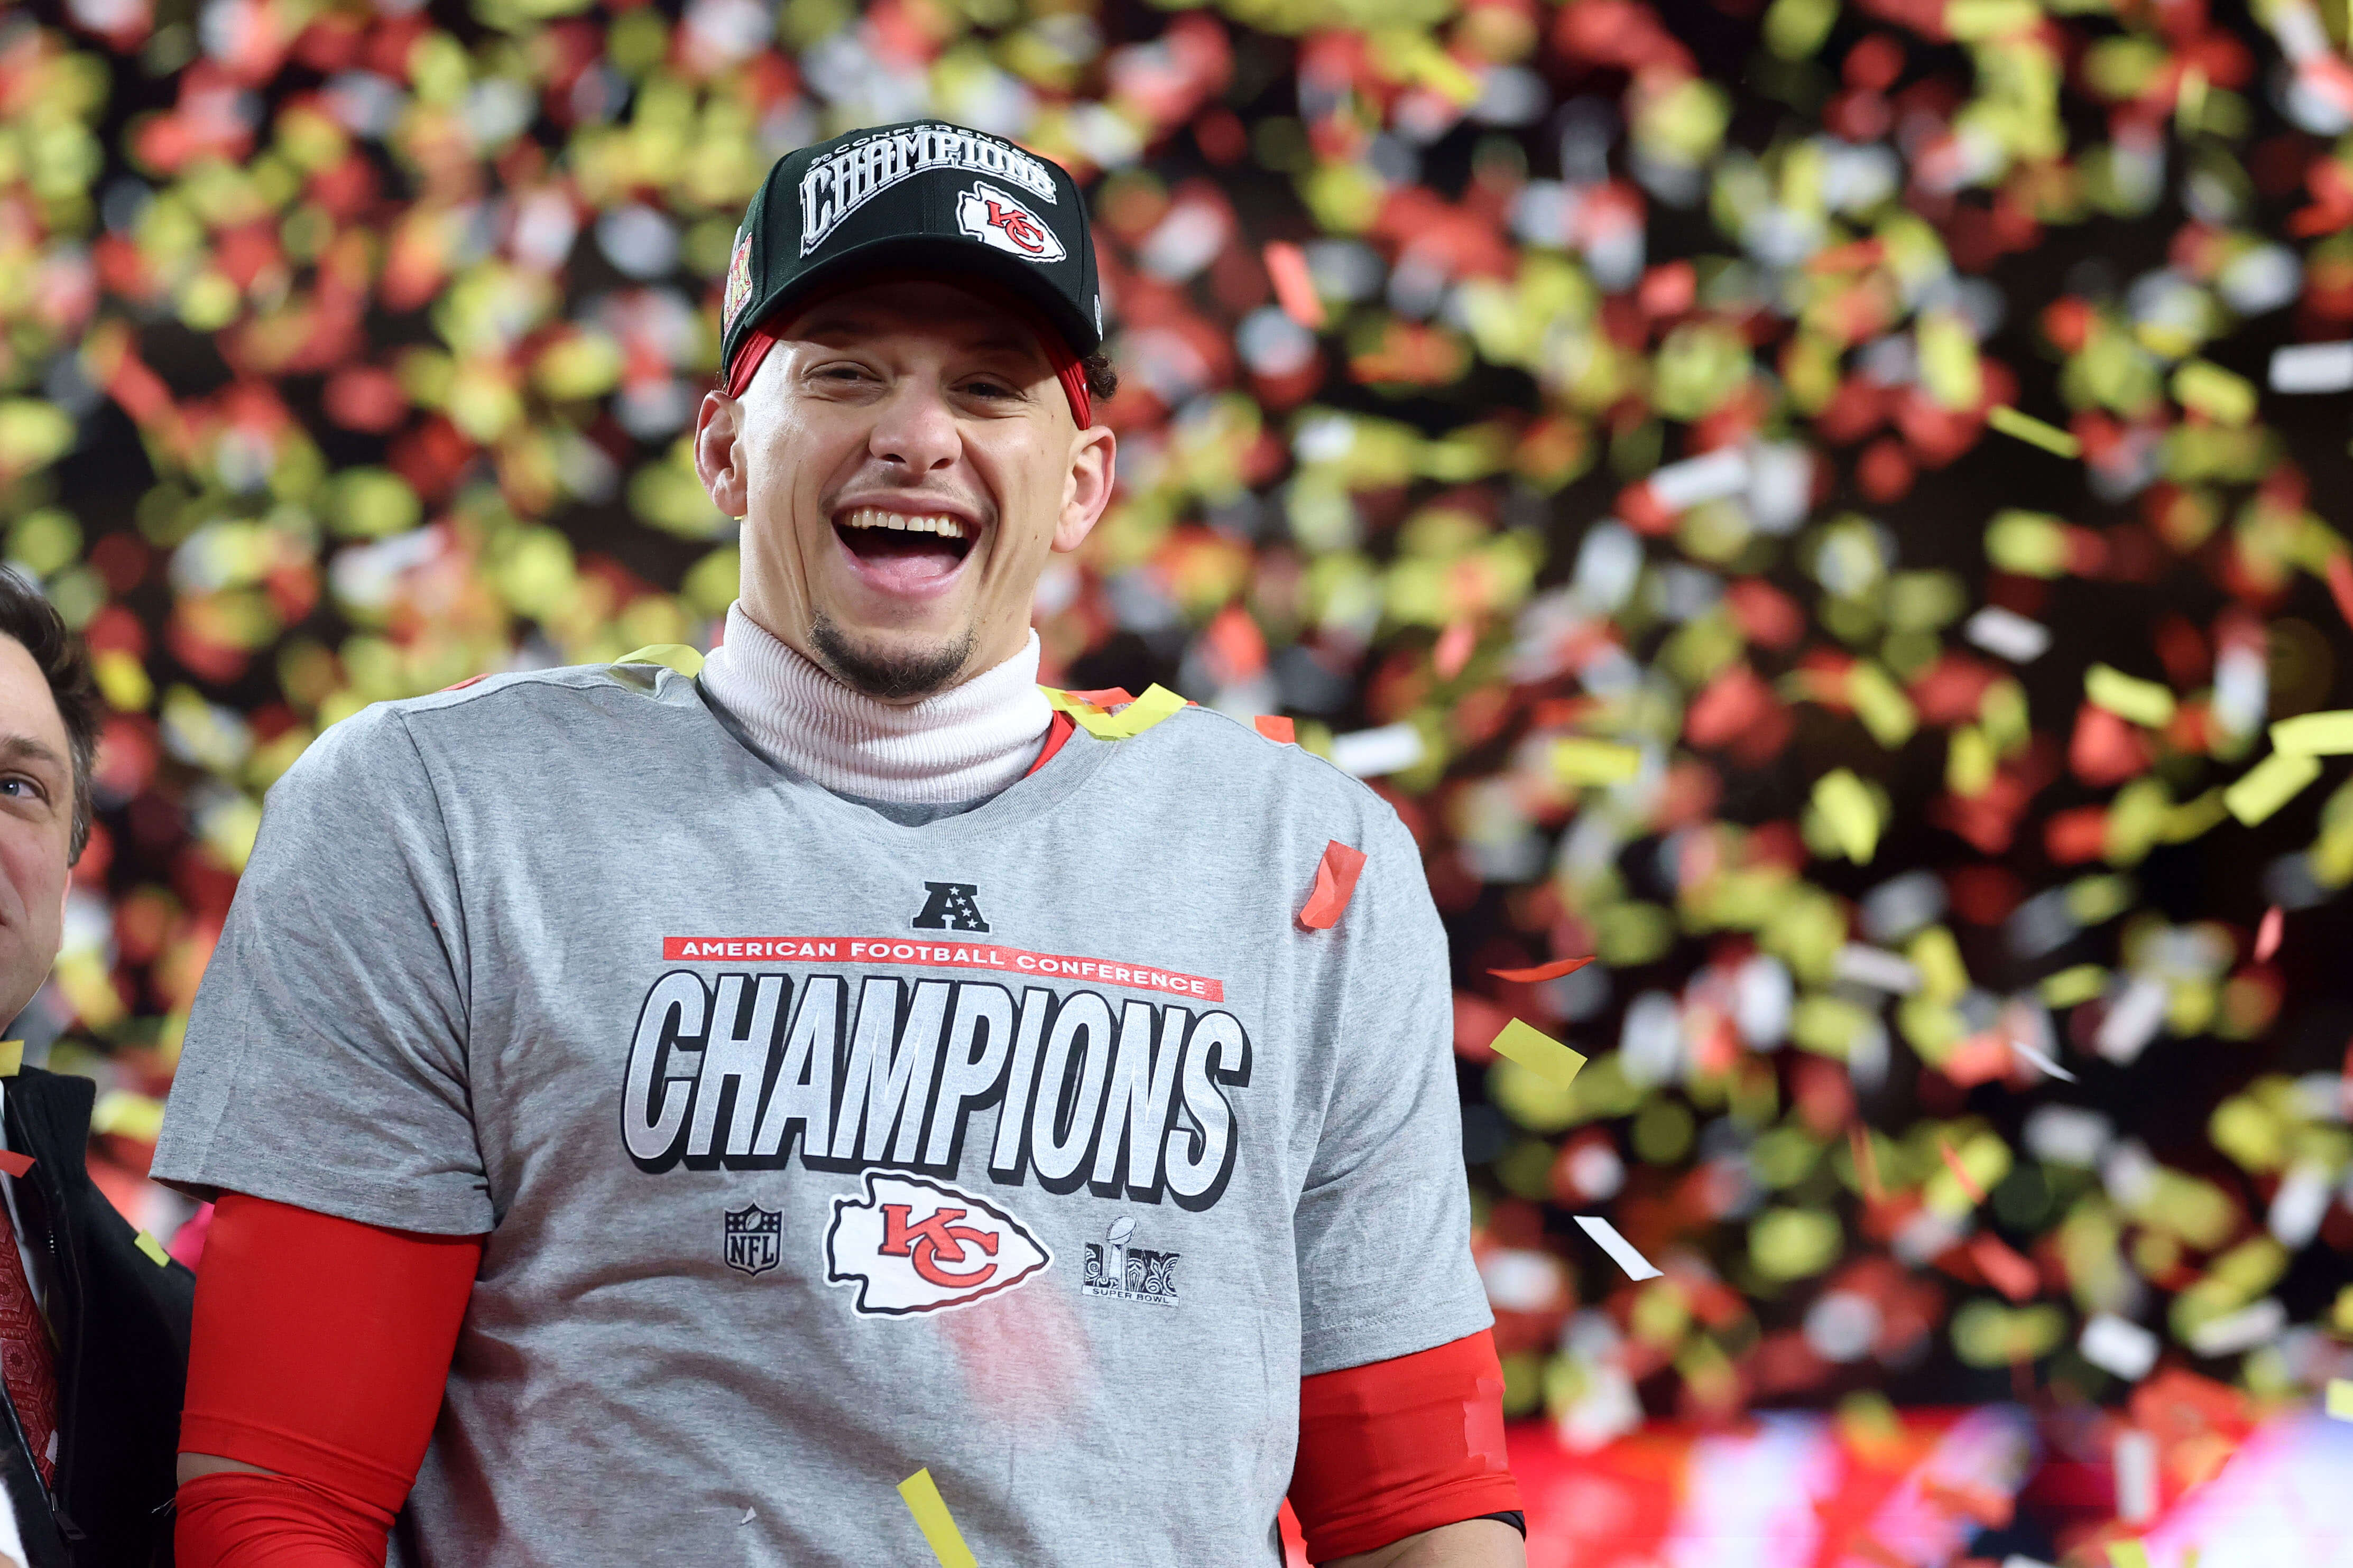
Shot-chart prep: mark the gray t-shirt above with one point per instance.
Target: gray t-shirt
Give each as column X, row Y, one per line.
column 1036, row 1144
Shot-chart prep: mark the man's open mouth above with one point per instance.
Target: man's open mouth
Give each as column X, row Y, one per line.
column 905, row 548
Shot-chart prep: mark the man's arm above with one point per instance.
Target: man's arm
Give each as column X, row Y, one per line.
column 320, row 1349
column 1473, row 1543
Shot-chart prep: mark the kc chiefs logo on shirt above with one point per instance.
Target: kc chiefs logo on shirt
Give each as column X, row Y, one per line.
column 916, row 1246
column 995, row 218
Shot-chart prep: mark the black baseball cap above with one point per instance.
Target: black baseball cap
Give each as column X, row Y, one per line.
column 925, row 195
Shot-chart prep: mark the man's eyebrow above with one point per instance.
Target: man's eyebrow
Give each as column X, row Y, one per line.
column 820, row 325
column 25, row 748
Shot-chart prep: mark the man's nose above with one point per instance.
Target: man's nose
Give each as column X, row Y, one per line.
column 916, row 431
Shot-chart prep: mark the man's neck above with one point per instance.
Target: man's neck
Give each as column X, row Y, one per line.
column 958, row 745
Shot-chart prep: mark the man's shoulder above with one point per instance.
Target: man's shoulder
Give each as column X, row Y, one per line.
column 1229, row 765
column 525, row 716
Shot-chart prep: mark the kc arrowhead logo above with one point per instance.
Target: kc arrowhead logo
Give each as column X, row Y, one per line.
column 997, row 220
column 916, row 1245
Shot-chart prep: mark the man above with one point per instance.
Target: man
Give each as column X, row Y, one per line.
column 746, row 1092
column 93, row 1315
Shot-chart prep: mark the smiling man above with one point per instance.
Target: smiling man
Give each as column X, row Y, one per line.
column 726, row 1096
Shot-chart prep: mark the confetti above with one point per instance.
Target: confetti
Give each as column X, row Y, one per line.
column 1294, row 285
column 2130, row 1554
column 2270, row 783
column 1537, row 1051
column 1282, row 730
column 2340, row 1398
column 2142, row 701
column 153, row 1249
column 1576, row 760
column 2312, row 367
column 2008, row 634
column 922, row 1495
column 2136, row 1463
column 12, row 1058
column 2314, row 734
column 1960, row 1173
column 2046, row 1063
column 2267, row 935
column 1621, row 1252
column 1542, row 972
column 14, row 1163
column 1335, row 884
column 2117, row 1346
column 1369, row 753
column 2034, row 431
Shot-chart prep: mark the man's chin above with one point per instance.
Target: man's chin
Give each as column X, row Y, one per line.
column 894, row 669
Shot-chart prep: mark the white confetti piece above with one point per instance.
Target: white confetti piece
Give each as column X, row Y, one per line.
column 1368, row 753
column 2008, row 635
column 2241, row 1330
column 2131, row 1021
column 2039, row 1060
column 2020, row 1560
column 2312, row 367
column 2300, row 1204
column 1878, row 968
column 1620, row 1249
column 1710, row 477
column 2118, row 1345
column 2135, row 1477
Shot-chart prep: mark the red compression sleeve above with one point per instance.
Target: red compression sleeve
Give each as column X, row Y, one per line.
column 1396, row 1447
column 320, row 1350
column 232, row 1518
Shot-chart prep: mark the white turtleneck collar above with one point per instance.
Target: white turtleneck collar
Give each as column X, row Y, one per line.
column 963, row 744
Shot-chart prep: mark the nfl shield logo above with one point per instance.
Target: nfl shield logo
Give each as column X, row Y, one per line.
column 754, row 1238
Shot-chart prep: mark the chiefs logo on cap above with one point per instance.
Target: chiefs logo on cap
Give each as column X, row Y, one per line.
column 916, row 1246
column 994, row 218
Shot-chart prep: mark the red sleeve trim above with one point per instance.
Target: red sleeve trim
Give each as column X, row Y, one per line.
column 233, row 1519
column 322, row 1346
column 1396, row 1447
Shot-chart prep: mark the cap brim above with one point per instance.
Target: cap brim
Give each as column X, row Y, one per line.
column 950, row 258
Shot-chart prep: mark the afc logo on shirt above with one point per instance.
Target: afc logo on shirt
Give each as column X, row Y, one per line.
column 950, row 906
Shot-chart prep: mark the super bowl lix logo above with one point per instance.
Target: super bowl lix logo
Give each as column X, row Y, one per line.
column 1126, row 1272
column 910, row 1245
column 995, row 218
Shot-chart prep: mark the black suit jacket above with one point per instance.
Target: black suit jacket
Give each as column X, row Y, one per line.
column 121, row 1324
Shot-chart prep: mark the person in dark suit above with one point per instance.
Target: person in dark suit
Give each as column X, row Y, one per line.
column 93, row 1315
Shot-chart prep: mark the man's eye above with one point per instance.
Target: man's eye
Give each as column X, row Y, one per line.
column 986, row 388
column 19, row 787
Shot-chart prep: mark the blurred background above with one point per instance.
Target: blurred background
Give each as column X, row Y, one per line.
column 1814, row 504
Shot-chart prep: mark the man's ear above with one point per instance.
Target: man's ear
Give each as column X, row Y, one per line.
column 1087, row 491
column 719, row 453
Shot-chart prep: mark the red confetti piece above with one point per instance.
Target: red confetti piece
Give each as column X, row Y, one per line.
column 2268, row 935
column 1960, row 1173
column 2340, row 585
column 1552, row 971
column 1336, row 883
column 1866, row 1162
column 1294, row 288
column 14, row 1163
column 1277, row 728
column 2004, row 1270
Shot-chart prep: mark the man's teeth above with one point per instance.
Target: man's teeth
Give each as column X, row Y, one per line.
column 871, row 517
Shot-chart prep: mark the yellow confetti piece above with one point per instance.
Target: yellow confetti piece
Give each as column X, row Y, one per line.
column 2128, row 1554
column 1846, row 805
column 2340, row 1398
column 1539, row 1052
column 12, row 1058
column 1156, row 703
column 153, row 1249
column 2128, row 697
column 1579, row 760
column 2225, row 398
column 2033, row 431
column 2314, row 734
column 2268, row 786
column 138, row 1117
column 931, row 1511
column 670, row 656
column 2070, row 986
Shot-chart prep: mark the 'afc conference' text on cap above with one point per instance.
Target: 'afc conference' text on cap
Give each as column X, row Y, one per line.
column 840, row 183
